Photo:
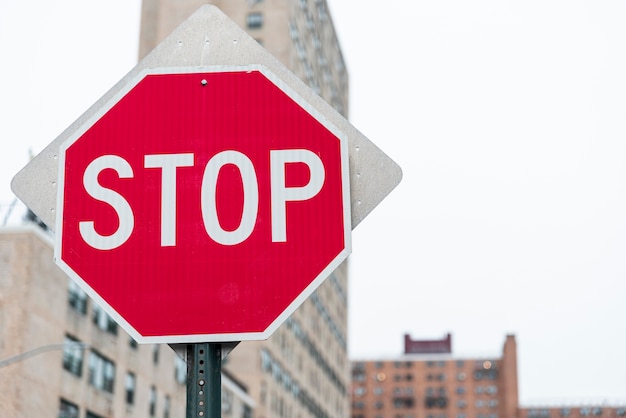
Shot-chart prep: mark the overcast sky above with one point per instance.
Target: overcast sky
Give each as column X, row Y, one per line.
column 508, row 119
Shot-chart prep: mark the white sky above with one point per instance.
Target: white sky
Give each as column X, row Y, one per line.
column 508, row 118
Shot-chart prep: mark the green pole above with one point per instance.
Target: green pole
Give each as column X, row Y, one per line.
column 204, row 380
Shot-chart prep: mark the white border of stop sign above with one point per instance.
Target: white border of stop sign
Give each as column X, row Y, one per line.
column 168, row 164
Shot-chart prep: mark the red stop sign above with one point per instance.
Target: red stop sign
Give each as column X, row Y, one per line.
column 203, row 204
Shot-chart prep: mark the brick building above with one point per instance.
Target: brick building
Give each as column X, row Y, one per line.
column 427, row 381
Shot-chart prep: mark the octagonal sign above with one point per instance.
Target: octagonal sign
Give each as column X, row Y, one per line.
column 203, row 204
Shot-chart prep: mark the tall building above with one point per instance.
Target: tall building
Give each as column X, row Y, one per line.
column 299, row 33
column 303, row 370
column 428, row 382
column 62, row 356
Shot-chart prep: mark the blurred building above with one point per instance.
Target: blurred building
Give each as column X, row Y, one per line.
column 299, row 33
column 62, row 356
column 303, row 370
column 600, row 409
column 428, row 382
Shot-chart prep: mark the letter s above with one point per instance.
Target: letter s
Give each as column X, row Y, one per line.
column 117, row 202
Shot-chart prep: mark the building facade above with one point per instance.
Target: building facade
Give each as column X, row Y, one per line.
column 579, row 410
column 303, row 369
column 62, row 356
column 428, row 382
column 435, row 384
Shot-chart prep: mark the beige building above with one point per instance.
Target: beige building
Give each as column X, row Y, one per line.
column 299, row 33
column 62, row 356
column 303, row 370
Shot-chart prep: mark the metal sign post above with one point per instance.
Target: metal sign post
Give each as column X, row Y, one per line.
column 204, row 380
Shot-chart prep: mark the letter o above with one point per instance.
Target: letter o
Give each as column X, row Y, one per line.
column 250, row 198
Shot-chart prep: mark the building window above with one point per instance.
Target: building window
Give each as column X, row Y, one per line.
column 77, row 299
column 103, row 320
column 101, row 372
column 132, row 343
column 565, row 412
column 92, row 415
column 68, row 409
column 539, row 413
column 254, row 20
column 227, row 402
column 73, row 356
column 180, row 370
column 130, row 388
column 152, row 406
column 247, row 412
column 166, row 407
column 155, row 354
